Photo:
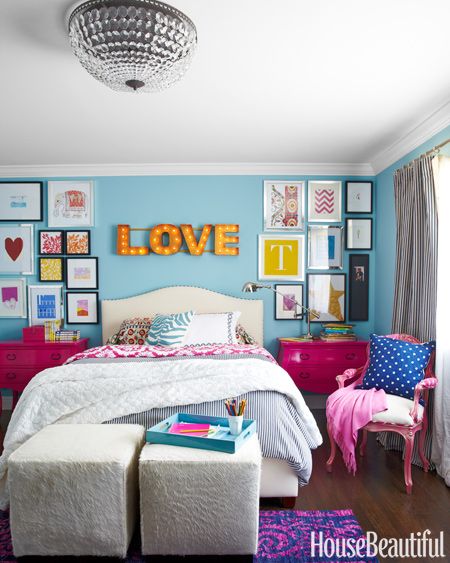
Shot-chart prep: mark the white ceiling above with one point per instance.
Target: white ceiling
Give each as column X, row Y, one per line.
column 292, row 81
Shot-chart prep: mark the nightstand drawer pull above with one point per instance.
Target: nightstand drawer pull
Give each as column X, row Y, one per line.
column 11, row 356
column 350, row 356
column 10, row 375
column 55, row 356
column 304, row 356
column 304, row 374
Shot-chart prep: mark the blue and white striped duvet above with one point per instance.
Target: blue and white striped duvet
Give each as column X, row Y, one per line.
column 282, row 432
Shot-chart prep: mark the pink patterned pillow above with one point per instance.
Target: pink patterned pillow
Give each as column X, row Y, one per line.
column 132, row 331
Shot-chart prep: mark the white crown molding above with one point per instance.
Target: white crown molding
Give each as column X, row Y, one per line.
column 188, row 169
column 435, row 123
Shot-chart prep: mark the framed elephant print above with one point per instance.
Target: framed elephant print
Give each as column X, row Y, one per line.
column 71, row 204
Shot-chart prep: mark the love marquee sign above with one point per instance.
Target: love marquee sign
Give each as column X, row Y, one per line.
column 166, row 239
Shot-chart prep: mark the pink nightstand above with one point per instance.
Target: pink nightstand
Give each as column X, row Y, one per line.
column 314, row 365
column 21, row 361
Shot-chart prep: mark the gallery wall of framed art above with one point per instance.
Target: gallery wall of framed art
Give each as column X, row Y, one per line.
column 333, row 217
column 47, row 259
column 142, row 202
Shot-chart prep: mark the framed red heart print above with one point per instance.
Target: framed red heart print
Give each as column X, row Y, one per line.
column 16, row 249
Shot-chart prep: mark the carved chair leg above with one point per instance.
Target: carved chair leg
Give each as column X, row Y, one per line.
column 332, row 452
column 409, row 444
column 422, row 436
column 362, row 446
column 426, row 463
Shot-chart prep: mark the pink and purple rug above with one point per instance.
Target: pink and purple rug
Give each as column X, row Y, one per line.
column 284, row 536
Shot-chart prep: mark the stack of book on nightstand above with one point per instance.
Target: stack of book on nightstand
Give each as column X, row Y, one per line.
column 337, row 333
column 67, row 335
column 50, row 328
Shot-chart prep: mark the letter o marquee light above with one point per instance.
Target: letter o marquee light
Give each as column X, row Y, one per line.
column 156, row 239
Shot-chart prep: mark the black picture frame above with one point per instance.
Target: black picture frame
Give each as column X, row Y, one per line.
column 310, row 305
column 297, row 286
column 41, row 232
column 81, row 258
column 17, row 218
column 359, row 277
column 348, row 220
column 365, row 210
column 50, row 257
column 68, row 320
column 67, row 232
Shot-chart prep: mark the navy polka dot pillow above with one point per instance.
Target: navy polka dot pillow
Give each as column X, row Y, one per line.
column 396, row 366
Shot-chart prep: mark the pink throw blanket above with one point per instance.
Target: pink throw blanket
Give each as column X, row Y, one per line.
column 348, row 410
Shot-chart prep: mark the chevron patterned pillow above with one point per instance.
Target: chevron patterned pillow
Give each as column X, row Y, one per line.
column 169, row 330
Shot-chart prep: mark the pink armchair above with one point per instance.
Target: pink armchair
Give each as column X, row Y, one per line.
column 403, row 416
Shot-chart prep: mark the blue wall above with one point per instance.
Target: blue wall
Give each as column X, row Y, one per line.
column 146, row 201
column 386, row 235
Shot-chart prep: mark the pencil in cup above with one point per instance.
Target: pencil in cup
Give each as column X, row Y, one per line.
column 234, row 408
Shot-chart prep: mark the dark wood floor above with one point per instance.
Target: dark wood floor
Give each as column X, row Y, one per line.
column 376, row 494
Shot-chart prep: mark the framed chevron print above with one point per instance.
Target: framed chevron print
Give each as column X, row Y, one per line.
column 325, row 201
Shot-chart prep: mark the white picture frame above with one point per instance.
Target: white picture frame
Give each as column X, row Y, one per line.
column 281, row 257
column 70, row 203
column 358, row 197
column 21, row 201
column 45, row 303
column 325, row 247
column 82, row 272
column 325, row 201
column 358, row 234
column 13, row 298
column 82, row 307
column 284, row 205
column 17, row 249
column 327, row 296
column 285, row 307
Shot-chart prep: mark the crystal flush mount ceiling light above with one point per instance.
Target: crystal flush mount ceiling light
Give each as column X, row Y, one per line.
column 132, row 45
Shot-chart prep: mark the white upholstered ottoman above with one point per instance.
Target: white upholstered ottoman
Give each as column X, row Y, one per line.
column 74, row 490
column 199, row 502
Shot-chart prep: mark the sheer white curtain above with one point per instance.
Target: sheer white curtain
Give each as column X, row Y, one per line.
column 441, row 435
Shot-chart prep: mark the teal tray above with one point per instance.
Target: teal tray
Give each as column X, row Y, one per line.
column 223, row 441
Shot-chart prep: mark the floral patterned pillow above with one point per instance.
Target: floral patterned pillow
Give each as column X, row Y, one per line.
column 243, row 337
column 132, row 331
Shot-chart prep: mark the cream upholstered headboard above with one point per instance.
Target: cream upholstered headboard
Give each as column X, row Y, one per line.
column 180, row 298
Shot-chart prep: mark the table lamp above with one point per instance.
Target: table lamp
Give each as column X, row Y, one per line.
column 252, row 287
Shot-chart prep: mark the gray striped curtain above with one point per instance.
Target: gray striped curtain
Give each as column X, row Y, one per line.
column 416, row 268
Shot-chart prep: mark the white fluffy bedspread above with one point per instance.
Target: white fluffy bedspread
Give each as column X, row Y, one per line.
column 97, row 392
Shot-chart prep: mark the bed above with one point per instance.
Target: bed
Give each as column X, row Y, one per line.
column 138, row 384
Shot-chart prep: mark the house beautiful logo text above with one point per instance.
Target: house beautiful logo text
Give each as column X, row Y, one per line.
column 418, row 545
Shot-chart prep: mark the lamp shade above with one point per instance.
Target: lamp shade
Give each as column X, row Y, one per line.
column 249, row 287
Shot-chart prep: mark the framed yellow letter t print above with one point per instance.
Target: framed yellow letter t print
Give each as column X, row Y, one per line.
column 281, row 257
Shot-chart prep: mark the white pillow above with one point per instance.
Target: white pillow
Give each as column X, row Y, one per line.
column 212, row 328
